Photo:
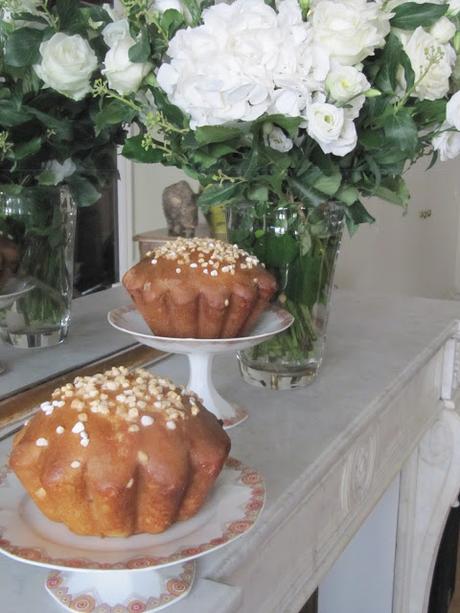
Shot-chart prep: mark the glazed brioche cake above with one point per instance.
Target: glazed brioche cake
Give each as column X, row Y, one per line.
column 120, row 453
column 199, row 288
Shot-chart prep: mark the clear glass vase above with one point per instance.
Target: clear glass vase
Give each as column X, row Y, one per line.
column 300, row 246
column 37, row 235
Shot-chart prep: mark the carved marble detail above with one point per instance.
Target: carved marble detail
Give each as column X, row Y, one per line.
column 357, row 472
column 430, row 483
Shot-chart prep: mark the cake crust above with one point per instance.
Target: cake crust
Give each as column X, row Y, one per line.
column 120, row 453
column 199, row 288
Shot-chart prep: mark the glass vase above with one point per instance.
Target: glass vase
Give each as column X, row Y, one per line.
column 300, row 247
column 37, row 235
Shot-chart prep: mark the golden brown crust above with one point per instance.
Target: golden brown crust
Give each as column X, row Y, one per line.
column 119, row 454
column 199, row 288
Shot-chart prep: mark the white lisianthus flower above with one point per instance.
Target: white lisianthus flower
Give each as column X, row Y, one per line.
column 346, row 82
column 431, row 61
column 447, row 142
column 115, row 31
column 453, row 111
column 67, row 63
column 443, row 30
column 330, row 127
column 275, row 138
column 60, row 171
column 350, row 30
column 123, row 75
column 115, row 13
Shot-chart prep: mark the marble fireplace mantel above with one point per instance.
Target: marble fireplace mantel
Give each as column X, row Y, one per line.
column 384, row 405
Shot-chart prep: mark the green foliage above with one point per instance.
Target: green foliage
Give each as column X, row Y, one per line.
column 22, row 47
column 411, row 15
column 38, row 125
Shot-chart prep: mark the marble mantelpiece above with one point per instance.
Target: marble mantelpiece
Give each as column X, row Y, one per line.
column 328, row 452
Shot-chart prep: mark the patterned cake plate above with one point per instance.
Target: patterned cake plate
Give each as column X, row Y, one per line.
column 150, row 571
column 201, row 352
column 137, row 593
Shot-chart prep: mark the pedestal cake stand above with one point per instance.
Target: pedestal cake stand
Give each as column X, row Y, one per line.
column 201, row 352
column 141, row 573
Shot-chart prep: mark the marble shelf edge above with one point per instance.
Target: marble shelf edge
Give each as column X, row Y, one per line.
column 328, row 468
column 302, row 488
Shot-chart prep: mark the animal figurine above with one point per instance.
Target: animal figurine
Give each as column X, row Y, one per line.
column 180, row 209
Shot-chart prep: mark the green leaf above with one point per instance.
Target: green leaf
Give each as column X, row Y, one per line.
column 140, row 52
column 83, row 191
column 22, row 47
column 23, row 150
column 401, row 132
column 328, row 184
column 258, row 193
column 217, row 134
column 62, row 127
column 431, row 111
column 12, row 115
column 289, row 124
column 348, row 195
column 67, row 11
column 306, row 193
column 113, row 113
column 133, row 150
column 411, row 15
column 386, row 79
column 171, row 20
column 393, row 190
column 218, row 194
column 170, row 111
column 356, row 215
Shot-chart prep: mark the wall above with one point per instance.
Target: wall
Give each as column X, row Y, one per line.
column 405, row 253
column 399, row 253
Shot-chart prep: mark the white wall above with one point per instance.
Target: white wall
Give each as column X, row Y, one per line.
column 408, row 254
column 403, row 254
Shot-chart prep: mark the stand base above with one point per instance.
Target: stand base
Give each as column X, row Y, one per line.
column 240, row 416
column 121, row 591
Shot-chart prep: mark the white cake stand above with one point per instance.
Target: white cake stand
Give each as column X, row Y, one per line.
column 140, row 573
column 201, row 352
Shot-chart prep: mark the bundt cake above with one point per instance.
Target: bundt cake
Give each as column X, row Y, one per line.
column 120, row 453
column 199, row 288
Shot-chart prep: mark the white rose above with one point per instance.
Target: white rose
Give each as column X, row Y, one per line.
column 60, row 171
column 447, row 143
column 423, row 49
column 346, row 82
column 115, row 31
column 350, row 30
column 275, row 138
column 67, row 63
column 163, row 5
column 443, row 30
column 329, row 126
column 453, row 111
column 123, row 75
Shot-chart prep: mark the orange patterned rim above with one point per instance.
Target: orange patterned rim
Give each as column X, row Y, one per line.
column 232, row 530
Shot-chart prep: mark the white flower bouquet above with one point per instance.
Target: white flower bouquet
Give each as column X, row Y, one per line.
column 283, row 105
